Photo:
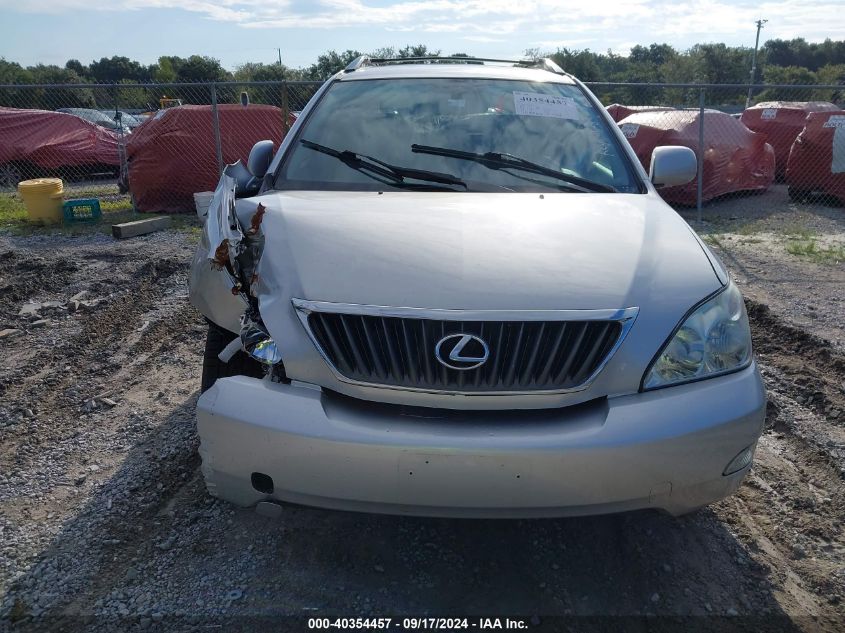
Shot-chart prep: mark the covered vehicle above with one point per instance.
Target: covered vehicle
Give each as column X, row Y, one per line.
column 173, row 154
column 817, row 160
column 782, row 122
column 735, row 158
column 617, row 111
column 456, row 292
column 98, row 117
column 39, row 143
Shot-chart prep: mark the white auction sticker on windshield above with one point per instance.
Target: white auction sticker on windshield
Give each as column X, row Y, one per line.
column 537, row 104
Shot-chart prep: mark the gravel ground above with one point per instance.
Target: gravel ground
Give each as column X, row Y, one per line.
column 752, row 235
column 105, row 524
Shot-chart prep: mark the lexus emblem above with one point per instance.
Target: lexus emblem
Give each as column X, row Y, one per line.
column 461, row 351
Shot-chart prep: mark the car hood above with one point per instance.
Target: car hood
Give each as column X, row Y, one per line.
column 479, row 251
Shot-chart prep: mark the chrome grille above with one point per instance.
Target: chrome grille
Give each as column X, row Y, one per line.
column 525, row 355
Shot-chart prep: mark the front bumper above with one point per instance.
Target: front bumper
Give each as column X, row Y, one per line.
column 664, row 449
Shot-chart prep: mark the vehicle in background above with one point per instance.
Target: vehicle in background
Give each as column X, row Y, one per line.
column 174, row 155
column 166, row 102
column 782, row 122
column 617, row 111
column 37, row 143
column 163, row 104
column 736, row 160
column 97, row 117
column 816, row 164
column 454, row 291
column 119, row 116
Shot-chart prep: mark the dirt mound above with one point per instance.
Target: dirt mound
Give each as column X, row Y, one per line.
column 24, row 277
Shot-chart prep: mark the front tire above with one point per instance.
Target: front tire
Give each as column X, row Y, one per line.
column 213, row 368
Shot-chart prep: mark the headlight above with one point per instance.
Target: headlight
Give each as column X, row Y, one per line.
column 257, row 342
column 715, row 339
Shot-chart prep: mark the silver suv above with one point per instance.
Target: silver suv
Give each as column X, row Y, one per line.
column 453, row 291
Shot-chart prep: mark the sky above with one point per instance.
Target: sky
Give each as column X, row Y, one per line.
column 239, row 31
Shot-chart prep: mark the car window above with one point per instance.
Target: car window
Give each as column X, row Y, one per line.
column 125, row 118
column 552, row 124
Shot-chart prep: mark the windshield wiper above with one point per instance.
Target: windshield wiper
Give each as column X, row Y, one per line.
column 394, row 174
column 497, row 160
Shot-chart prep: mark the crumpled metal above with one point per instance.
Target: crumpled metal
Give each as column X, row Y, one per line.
column 238, row 252
column 222, row 227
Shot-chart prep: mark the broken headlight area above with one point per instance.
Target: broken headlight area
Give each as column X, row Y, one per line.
column 257, row 342
column 236, row 249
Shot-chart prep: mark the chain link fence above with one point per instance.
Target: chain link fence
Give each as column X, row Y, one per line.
column 144, row 146
column 152, row 146
column 759, row 145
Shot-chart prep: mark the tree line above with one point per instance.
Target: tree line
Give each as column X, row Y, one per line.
column 791, row 62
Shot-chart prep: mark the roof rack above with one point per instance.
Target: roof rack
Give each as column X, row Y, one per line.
column 543, row 63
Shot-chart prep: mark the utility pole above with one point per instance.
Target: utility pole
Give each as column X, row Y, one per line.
column 760, row 24
column 280, row 54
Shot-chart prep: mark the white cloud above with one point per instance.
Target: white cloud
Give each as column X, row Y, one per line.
column 609, row 22
column 483, row 38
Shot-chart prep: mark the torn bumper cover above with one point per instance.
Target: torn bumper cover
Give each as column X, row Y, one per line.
column 665, row 449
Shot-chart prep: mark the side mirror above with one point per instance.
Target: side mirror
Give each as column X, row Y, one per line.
column 245, row 183
column 672, row 165
column 259, row 158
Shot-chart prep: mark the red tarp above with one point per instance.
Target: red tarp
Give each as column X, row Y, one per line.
column 54, row 140
column 735, row 158
column 782, row 122
column 618, row 111
column 817, row 160
column 172, row 155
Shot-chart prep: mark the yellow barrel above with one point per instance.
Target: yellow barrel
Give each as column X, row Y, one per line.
column 43, row 198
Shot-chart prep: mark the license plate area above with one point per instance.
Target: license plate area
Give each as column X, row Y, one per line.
column 483, row 481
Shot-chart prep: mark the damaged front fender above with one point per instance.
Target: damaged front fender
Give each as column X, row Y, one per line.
column 210, row 285
column 224, row 277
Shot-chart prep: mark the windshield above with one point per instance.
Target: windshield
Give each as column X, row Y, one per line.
column 553, row 125
column 125, row 118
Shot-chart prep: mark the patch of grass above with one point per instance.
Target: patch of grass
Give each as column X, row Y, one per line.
column 747, row 229
column 189, row 224
column 13, row 217
column 798, row 232
column 11, row 208
column 115, row 205
column 115, row 208
column 811, row 250
column 713, row 240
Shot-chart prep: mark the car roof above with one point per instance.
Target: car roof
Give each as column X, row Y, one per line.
column 86, row 112
column 453, row 70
